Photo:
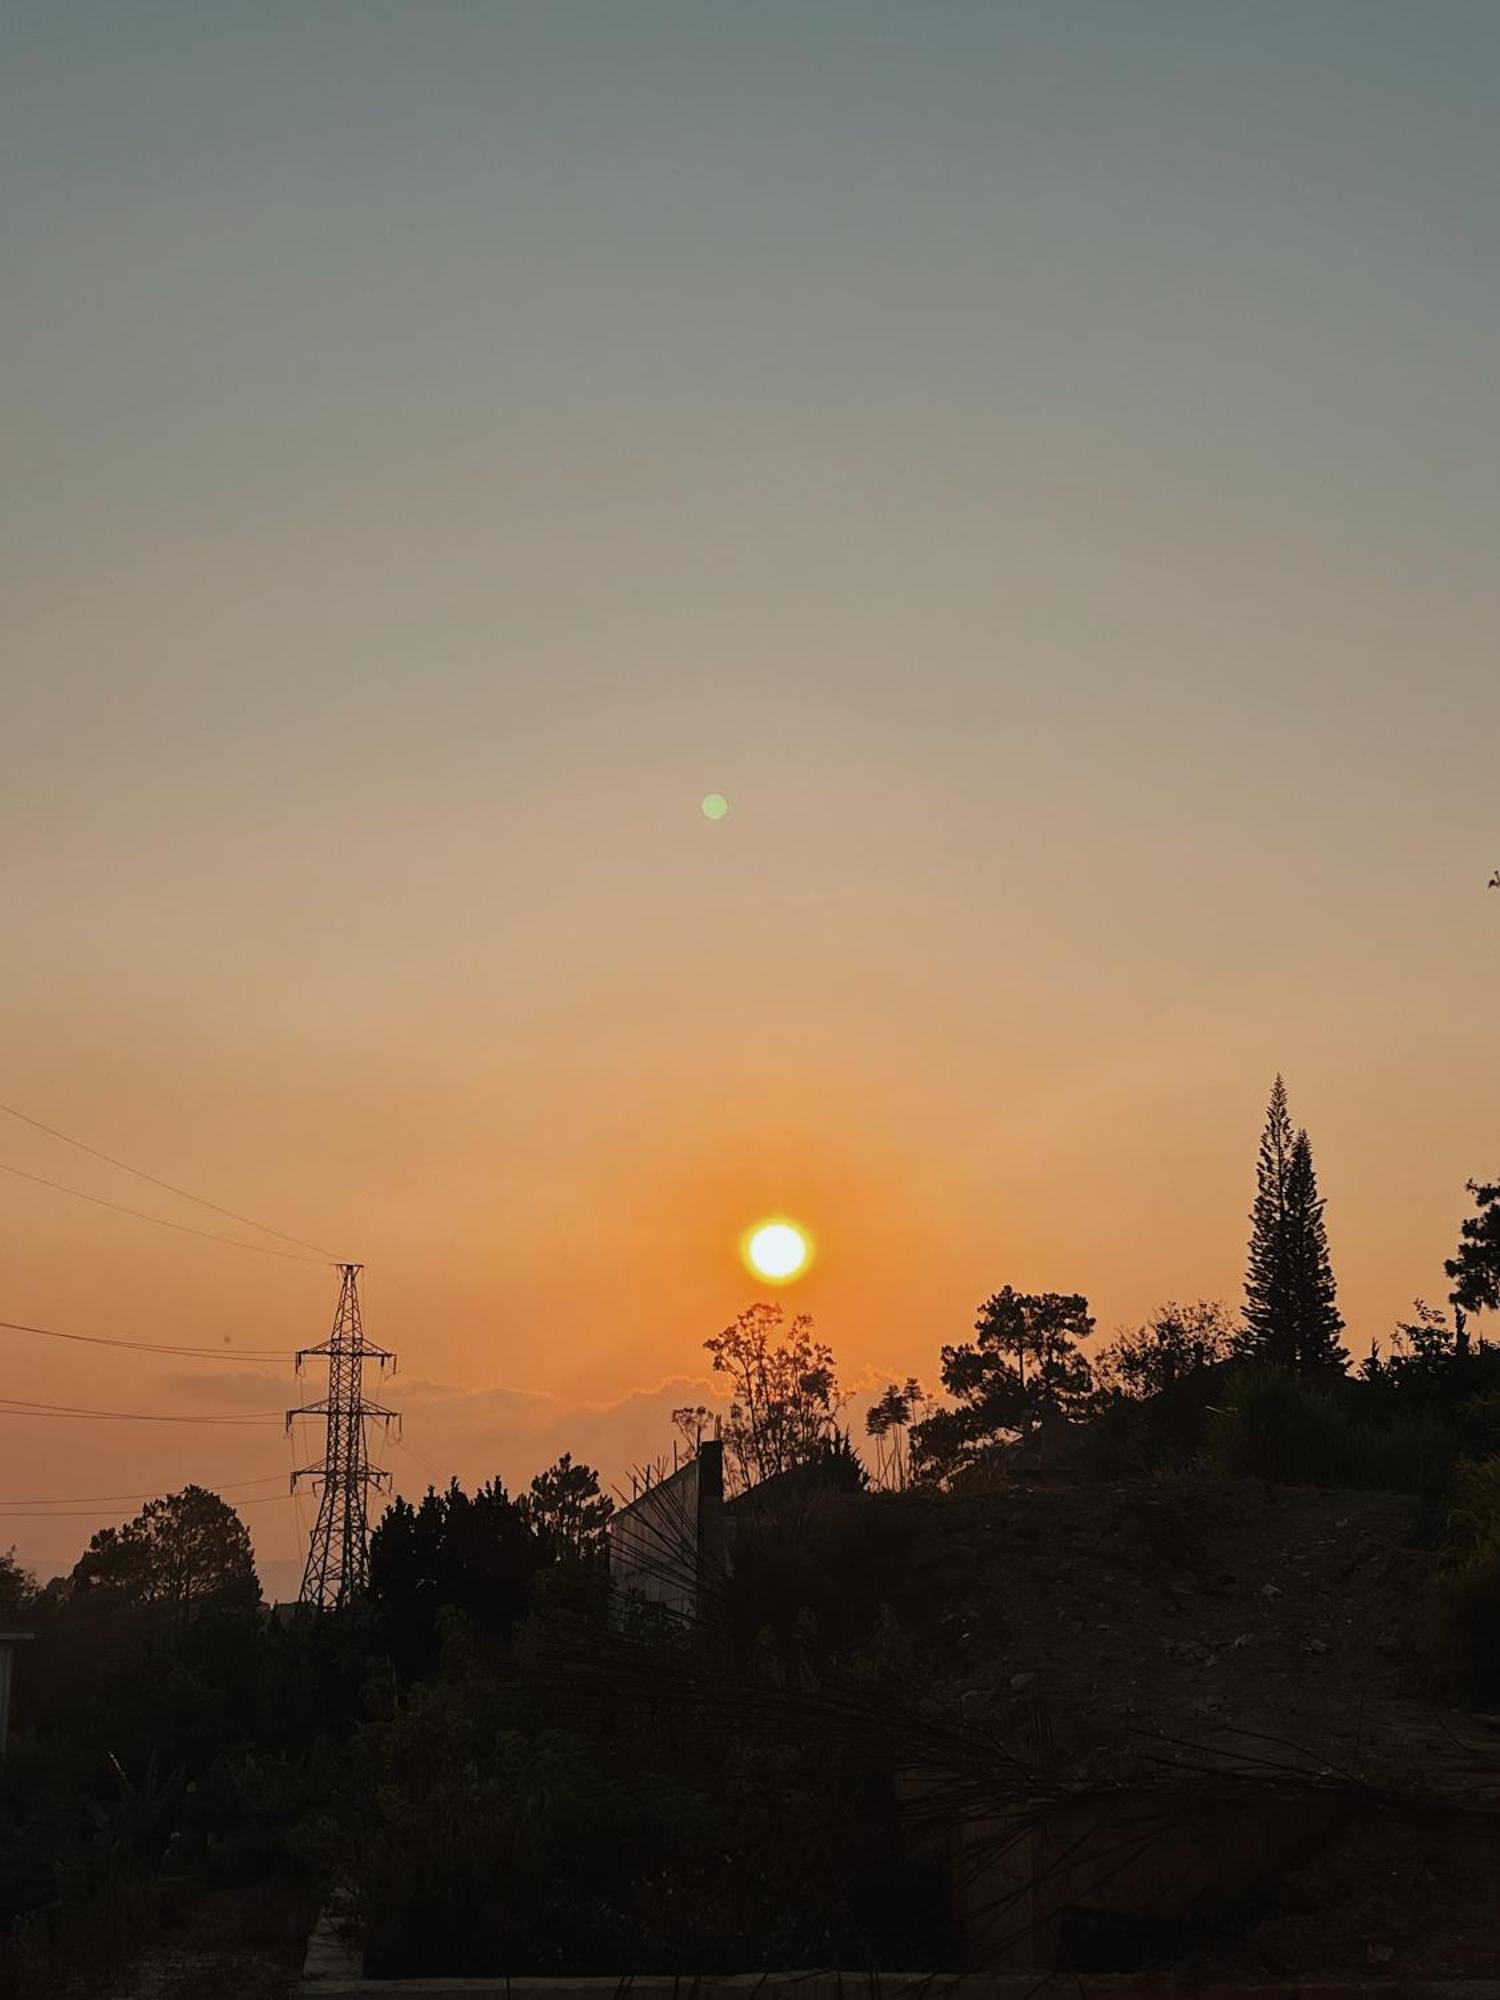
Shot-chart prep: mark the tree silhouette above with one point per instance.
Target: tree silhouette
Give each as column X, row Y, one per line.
column 692, row 1422
column 473, row 1553
column 566, row 1511
column 17, row 1588
column 1175, row 1342
column 1430, row 1359
column 1475, row 1270
column 887, row 1422
column 785, row 1398
column 1318, row 1320
column 184, row 1551
column 1024, row 1366
column 1292, row 1318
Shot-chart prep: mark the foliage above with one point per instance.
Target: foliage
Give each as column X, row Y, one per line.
column 1432, row 1363
column 1469, row 1592
column 17, row 1589
column 566, row 1511
column 475, row 1553
column 129, row 1715
column 692, row 1423
column 1324, row 1433
column 784, row 1390
column 505, row 1823
column 887, row 1422
column 181, row 1552
column 1475, row 1269
column 1428, row 1339
column 1177, row 1341
column 1291, row 1309
column 1026, row 1366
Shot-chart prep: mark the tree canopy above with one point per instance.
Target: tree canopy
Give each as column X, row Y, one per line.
column 1475, row 1269
column 1025, row 1365
column 784, row 1393
column 474, row 1552
column 17, row 1589
column 1177, row 1341
column 185, row 1551
column 566, row 1511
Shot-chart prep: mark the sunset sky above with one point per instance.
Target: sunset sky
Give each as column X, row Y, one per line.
column 1039, row 462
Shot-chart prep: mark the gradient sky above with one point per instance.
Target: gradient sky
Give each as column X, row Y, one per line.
column 1039, row 461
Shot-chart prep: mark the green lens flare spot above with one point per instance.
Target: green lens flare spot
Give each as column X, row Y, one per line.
column 715, row 806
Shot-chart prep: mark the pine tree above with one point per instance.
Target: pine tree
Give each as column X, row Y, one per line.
column 1316, row 1320
column 1291, row 1310
column 1268, row 1281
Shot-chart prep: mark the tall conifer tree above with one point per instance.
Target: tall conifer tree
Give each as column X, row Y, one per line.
column 1268, row 1281
column 1316, row 1320
column 1291, row 1304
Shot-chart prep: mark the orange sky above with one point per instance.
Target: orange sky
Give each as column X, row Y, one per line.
column 1041, row 469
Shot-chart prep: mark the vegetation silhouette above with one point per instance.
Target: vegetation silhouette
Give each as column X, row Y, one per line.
column 833, row 1751
column 180, row 1552
column 1291, row 1300
column 784, row 1393
column 1025, row 1366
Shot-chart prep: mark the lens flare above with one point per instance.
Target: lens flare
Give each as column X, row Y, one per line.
column 778, row 1251
column 715, row 806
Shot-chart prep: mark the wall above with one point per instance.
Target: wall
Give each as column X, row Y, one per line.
column 667, row 1545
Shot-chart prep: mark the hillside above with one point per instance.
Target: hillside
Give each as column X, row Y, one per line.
column 1161, row 1632
column 1194, row 1608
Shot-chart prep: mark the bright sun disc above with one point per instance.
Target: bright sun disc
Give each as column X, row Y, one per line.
column 777, row 1250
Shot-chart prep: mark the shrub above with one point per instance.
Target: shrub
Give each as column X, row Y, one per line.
column 1275, row 1425
column 1469, row 1580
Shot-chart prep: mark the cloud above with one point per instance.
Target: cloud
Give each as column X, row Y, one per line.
column 227, row 1394
column 477, row 1434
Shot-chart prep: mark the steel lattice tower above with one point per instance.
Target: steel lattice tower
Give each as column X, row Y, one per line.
column 338, row 1554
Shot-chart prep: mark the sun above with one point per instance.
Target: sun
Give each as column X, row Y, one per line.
column 777, row 1250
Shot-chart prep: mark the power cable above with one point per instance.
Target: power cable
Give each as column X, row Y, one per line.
column 424, row 1464
column 99, row 1499
column 154, row 1346
column 89, row 1514
column 140, row 1174
column 14, row 1406
column 141, row 1215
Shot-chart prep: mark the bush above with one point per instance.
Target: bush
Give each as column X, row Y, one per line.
column 1469, row 1581
column 528, row 1821
column 1316, row 1433
column 1137, row 1437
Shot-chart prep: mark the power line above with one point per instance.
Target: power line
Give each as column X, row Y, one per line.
column 140, row 1214
column 90, row 1514
column 140, row 1174
column 425, row 1464
column 14, row 1406
column 99, row 1499
column 154, row 1346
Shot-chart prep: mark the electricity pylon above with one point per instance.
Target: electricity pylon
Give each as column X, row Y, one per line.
column 338, row 1556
